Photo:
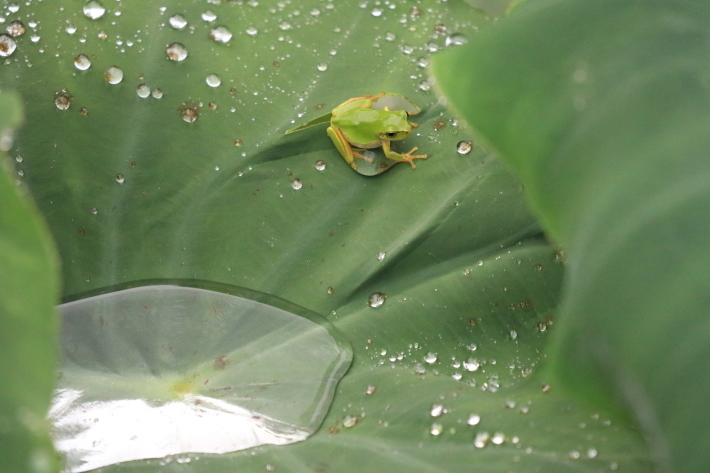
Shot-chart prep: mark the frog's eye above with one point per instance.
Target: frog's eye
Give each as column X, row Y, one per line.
column 391, row 134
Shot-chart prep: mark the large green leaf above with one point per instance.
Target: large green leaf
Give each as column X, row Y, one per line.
column 451, row 244
column 29, row 289
column 604, row 111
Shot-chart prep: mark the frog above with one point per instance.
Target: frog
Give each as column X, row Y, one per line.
column 360, row 123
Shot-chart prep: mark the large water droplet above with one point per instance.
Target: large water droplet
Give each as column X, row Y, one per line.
column 437, row 410
column 15, row 28
column 464, row 147
column 143, row 91
column 221, row 34
column 166, row 370
column 376, row 299
column 456, row 39
column 320, row 165
column 322, row 67
column 209, row 15
column 498, row 438
column 94, row 10
column 178, row 22
column 481, row 439
column 7, row 45
column 296, row 184
column 213, row 80
column 82, row 62
column 430, row 358
column 471, row 364
column 377, row 12
column 62, row 99
column 473, row 419
column 113, row 75
column 176, row 52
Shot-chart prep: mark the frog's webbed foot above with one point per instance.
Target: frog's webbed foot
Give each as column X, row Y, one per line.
column 406, row 157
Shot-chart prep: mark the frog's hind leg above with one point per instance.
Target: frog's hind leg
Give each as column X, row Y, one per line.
column 344, row 148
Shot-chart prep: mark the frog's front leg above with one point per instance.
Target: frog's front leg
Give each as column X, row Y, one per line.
column 344, row 148
column 407, row 157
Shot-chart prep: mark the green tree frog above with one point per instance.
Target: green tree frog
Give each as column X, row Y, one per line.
column 360, row 123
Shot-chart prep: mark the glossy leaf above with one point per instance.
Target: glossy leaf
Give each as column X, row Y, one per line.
column 132, row 191
column 29, row 288
column 603, row 110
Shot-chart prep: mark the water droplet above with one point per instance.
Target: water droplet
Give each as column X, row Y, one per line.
column 285, row 25
column 377, row 299
column 120, row 179
column 389, row 36
column 315, row 12
column 430, row 358
column 456, row 39
column 350, row 421
column 436, row 429
column 322, row 67
column 574, row 455
column 251, row 31
column 7, row 45
column 381, row 255
column 19, row 158
column 407, row 49
column 437, row 410
column 209, row 15
column 471, row 364
column 157, row 93
column 473, row 419
column 176, row 52
column 83, row 111
column 213, row 80
column 178, row 21
column 238, row 143
column 472, row 347
column 62, row 99
column 15, row 28
column 481, row 439
column 13, row 8
column 419, row 368
column 370, row 390
column 221, row 34
column 546, row 388
column 296, row 184
column 464, row 147
column 189, row 114
column 424, row 85
column 422, row 62
column 457, row 376
column 82, row 62
column 376, row 12
column 431, row 46
column 70, row 29
column 320, row 165
column 94, row 10
column 95, row 211
column 592, row 453
column 143, row 91
column 113, row 75
column 105, row 428
column 498, row 438
column 270, row 467
column 330, row 290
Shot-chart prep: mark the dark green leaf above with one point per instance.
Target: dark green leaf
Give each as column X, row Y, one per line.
column 29, row 289
column 603, row 108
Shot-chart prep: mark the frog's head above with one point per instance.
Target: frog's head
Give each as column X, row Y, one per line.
column 395, row 126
